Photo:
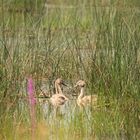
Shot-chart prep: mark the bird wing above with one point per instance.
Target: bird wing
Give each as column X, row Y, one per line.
column 90, row 99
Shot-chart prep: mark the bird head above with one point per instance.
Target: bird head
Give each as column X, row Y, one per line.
column 80, row 83
column 59, row 81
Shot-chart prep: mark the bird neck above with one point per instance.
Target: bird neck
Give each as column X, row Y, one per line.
column 58, row 89
column 81, row 93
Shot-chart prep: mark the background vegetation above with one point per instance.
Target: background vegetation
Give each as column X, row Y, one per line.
column 95, row 40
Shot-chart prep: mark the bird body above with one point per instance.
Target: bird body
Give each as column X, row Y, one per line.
column 58, row 100
column 87, row 100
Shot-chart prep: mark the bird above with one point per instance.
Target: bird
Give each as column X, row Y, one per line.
column 58, row 99
column 83, row 100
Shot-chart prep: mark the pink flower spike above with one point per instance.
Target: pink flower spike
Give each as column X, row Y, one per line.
column 32, row 102
column 31, row 90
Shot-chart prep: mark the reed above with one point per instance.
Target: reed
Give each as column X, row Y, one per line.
column 97, row 41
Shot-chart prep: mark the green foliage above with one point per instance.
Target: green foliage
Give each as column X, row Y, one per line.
column 93, row 40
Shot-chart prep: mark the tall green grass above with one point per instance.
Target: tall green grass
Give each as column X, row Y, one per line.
column 92, row 40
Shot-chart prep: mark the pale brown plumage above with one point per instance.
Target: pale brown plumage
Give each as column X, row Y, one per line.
column 83, row 100
column 59, row 98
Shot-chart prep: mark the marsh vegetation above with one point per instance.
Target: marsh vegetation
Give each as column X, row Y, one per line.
column 98, row 41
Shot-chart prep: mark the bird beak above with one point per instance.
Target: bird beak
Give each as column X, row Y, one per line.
column 64, row 84
column 75, row 86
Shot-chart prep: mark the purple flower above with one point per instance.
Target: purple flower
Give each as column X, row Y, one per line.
column 32, row 102
column 31, row 91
